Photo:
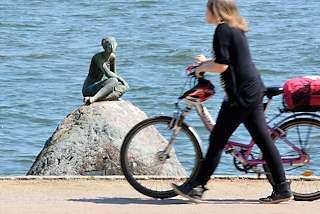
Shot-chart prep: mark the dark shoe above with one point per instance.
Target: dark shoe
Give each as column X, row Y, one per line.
column 192, row 192
column 281, row 192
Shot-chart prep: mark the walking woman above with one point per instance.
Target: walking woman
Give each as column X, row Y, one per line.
column 242, row 104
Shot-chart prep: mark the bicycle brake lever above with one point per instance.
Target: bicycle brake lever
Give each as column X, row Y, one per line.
column 192, row 73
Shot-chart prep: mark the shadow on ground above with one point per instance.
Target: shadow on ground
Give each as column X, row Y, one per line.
column 159, row 201
column 131, row 201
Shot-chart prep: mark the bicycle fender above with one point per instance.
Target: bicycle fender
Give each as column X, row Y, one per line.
column 198, row 139
column 299, row 115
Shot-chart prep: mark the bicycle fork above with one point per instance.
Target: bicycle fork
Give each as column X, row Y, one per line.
column 175, row 126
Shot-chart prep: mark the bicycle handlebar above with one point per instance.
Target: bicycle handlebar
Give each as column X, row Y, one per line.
column 191, row 72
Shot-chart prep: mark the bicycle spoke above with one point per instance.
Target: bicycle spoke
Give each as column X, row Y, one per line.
column 307, row 137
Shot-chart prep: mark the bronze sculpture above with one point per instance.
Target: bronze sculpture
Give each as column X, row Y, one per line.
column 95, row 88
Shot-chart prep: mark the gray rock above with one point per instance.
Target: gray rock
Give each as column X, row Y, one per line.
column 89, row 139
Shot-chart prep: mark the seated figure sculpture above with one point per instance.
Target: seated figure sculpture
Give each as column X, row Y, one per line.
column 95, row 88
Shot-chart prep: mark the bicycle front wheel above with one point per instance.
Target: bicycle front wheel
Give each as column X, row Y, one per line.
column 304, row 133
column 146, row 167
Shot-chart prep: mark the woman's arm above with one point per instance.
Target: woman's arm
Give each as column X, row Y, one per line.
column 211, row 67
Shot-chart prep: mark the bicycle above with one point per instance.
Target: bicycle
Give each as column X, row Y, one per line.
column 172, row 150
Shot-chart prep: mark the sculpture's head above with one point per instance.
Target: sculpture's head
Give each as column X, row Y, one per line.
column 109, row 44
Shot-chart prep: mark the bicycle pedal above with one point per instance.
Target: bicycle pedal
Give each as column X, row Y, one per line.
column 229, row 151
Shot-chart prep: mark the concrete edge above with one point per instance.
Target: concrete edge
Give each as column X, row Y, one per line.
column 119, row 177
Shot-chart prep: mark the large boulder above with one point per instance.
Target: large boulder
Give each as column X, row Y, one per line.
column 89, row 140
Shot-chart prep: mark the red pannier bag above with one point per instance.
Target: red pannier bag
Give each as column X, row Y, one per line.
column 302, row 94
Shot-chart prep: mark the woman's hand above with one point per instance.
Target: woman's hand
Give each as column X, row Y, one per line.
column 201, row 58
column 198, row 72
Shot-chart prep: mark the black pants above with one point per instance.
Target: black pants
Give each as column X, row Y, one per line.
column 229, row 118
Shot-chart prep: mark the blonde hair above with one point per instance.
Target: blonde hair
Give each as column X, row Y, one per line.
column 227, row 11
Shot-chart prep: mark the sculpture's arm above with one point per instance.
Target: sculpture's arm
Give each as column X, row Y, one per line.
column 112, row 60
column 109, row 74
column 122, row 88
column 107, row 71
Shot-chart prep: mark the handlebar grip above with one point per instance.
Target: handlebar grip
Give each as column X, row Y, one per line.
column 191, row 67
column 193, row 74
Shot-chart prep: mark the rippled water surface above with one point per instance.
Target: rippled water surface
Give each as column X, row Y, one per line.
column 46, row 48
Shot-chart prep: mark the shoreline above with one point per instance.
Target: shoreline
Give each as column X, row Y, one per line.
column 120, row 177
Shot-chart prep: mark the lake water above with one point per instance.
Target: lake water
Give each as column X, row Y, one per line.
column 46, row 48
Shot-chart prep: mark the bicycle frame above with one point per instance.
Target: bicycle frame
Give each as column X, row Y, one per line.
column 235, row 148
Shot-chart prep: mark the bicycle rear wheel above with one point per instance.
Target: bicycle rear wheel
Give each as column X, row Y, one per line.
column 304, row 133
column 144, row 165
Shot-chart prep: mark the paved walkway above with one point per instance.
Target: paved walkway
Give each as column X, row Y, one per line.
column 116, row 196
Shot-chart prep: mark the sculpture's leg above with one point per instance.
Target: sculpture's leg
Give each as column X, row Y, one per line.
column 108, row 87
column 115, row 95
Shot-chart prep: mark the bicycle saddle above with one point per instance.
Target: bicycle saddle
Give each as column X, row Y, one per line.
column 273, row 91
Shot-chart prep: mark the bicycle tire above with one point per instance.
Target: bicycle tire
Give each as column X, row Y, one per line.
column 151, row 128
column 304, row 187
